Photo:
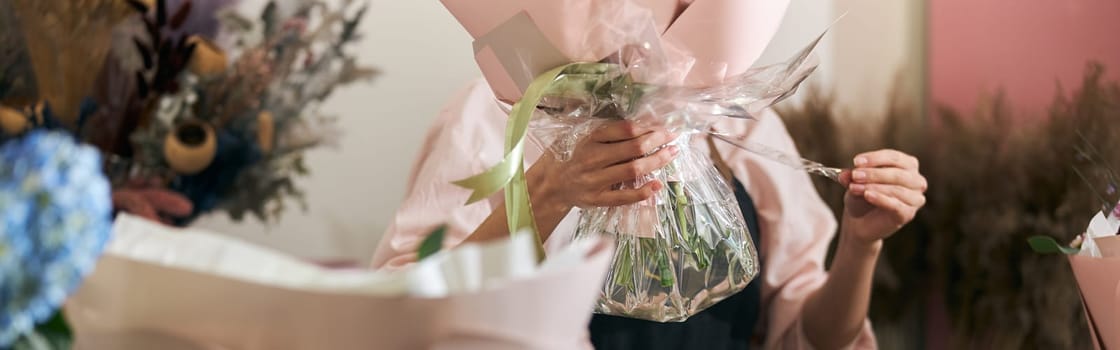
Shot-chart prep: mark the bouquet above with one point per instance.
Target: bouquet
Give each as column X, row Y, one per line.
column 1095, row 259
column 148, row 83
column 568, row 66
column 1094, row 256
column 54, row 222
column 159, row 287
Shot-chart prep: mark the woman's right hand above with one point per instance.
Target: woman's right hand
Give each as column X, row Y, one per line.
column 615, row 153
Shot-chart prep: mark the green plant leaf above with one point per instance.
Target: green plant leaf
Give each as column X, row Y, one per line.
column 432, row 244
column 56, row 324
column 268, row 18
column 1047, row 245
column 52, row 334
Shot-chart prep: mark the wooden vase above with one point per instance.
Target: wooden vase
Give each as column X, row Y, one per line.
column 190, row 147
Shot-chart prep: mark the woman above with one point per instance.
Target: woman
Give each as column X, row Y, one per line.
column 793, row 303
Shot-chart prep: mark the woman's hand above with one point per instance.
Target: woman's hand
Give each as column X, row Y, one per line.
column 615, row 153
column 885, row 191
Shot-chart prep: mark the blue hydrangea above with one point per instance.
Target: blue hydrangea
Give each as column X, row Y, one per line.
column 55, row 218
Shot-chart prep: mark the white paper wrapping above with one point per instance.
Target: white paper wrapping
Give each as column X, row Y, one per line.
column 165, row 288
column 1101, row 227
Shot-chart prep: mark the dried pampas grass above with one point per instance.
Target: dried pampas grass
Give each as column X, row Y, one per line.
column 996, row 178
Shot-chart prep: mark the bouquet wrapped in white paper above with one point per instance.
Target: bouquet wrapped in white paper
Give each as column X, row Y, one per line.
column 165, row 288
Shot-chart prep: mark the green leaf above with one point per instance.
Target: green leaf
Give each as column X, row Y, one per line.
column 349, row 26
column 52, row 334
column 663, row 266
column 268, row 18
column 56, row 324
column 431, row 245
column 1047, row 245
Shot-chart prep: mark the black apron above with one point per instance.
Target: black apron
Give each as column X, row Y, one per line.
column 728, row 324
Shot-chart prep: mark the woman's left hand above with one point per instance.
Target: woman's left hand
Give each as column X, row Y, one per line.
column 885, row 191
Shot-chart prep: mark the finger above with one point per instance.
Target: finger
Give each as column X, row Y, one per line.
column 627, row 196
column 901, row 212
column 845, row 178
column 134, row 204
column 618, row 131
column 890, row 176
column 641, row 146
column 634, row 169
column 886, row 158
column 168, row 203
column 905, row 195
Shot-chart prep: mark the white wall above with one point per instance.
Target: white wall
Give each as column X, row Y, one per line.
column 426, row 56
column 878, row 45
column 803, row 22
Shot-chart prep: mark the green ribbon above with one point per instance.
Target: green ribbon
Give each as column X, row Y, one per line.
column 571, row 80
column 510, row 172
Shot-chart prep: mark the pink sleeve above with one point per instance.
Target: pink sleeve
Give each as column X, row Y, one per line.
column 465, row 139
column 797, row 227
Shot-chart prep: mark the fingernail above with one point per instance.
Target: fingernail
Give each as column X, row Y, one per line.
column 857, row 188
column 859, row 175
column 860, row 161
column 673, row 150
column 657, row 186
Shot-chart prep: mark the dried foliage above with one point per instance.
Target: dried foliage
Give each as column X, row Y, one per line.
column 64, row 39
column 15, row 68
column 124, row 74
column 996, row 178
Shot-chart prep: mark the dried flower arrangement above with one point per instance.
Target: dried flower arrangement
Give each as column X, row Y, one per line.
column 224, row 127
column 995, row 180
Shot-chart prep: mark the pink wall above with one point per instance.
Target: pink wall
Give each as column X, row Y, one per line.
column 1022, row 46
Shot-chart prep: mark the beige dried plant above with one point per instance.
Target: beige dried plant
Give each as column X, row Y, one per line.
column 997, row 176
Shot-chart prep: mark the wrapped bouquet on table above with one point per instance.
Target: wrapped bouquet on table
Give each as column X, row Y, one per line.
column 565, row 67
column 158, row 287
column 1094, row 256
column 1095, row 259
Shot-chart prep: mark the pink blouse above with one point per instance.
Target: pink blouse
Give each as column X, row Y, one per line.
column 797, row 226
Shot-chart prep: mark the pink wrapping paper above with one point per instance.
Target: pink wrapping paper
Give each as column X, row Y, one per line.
column 140, row 298
column 706, row 40
column 1109, row 246
column 1099, row 281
